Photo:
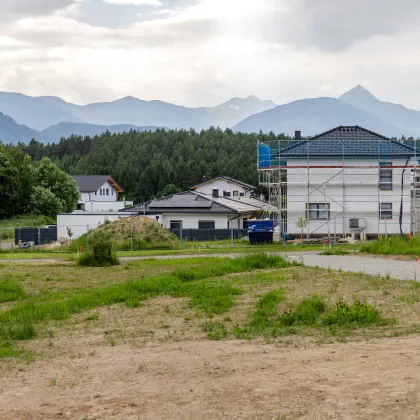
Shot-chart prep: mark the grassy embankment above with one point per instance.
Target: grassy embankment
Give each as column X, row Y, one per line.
column 393, row 246
column 252, row 296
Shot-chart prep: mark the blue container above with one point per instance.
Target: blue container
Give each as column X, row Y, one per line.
column 255, row 226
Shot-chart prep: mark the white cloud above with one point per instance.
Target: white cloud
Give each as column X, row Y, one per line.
column 135, row 2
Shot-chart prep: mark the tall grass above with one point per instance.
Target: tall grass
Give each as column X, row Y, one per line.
column 7, row 226
column 394, row 245
column 211, row 297
column 311, row 312
column 10, row 290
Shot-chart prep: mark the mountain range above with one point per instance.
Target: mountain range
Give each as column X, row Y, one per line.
column 49, row 118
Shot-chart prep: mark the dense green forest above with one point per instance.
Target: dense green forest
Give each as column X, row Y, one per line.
column 144, row 163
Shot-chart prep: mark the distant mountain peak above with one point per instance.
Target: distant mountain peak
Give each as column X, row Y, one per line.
column 358, row 93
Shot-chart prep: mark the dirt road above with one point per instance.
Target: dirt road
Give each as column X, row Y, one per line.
column 220, row 380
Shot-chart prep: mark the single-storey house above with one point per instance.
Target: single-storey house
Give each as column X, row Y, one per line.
column 206, row 207
column 99, row 193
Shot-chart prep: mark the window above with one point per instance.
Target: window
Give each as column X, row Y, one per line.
column 226, row 193
column 245, row 224
column 385, row 176
column 107, row 191
column 385, row 211
column 176, row 224
column 215, row 193
column 318, row 211
column 101, row 191
column 112, row 191
column 95, row 192
column 242, row 194
column 206, row 224
column 236, row 193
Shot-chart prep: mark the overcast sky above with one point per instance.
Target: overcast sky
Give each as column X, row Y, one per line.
column 203, row 52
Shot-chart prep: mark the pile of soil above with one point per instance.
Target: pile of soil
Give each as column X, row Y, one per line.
column 142, row 231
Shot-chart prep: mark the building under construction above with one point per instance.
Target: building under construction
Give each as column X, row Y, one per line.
column 348, row 180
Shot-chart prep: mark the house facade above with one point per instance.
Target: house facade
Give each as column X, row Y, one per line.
column 99, row 193
column 224, row 186
column 203, row 209
column 347, row 181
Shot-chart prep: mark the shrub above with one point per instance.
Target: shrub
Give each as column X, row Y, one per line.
column 102, row 254
column 306, row 313
column 358, row 314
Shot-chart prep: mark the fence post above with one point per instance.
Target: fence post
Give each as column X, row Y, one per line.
column 131, row 229
column 231, row 237
column 87, row 237
column 39, row 238
column 180, row 238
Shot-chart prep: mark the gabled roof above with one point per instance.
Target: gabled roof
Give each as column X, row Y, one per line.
column 195, row 202
column 186, row 202
column 228, row 179
column 349, row 132
column 92, row 183
column 348, row 148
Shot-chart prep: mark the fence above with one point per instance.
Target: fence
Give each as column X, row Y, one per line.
column 131, row 238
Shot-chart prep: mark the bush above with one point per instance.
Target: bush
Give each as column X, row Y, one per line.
column 358, row 314
column 103, row 253
column 306, row 313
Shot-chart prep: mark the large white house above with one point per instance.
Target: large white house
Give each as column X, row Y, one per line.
column 348, row 180
column 99, row 193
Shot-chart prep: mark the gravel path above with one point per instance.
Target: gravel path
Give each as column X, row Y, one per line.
column 400, row 270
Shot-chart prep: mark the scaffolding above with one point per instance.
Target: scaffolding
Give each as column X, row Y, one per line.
column 364, row 187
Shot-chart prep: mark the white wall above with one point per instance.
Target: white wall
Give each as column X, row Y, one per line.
column 190, row 221
column 81, row 222
column 360, row 196
column 221, row 185
column 101, row 206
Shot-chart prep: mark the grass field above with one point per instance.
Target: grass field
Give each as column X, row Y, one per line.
column 252, row 337
column 393, row 246
column 251, row 296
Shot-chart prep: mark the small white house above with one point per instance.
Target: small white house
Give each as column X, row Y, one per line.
column 99, row 193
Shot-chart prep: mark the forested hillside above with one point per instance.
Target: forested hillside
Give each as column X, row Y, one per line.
column 145, row 162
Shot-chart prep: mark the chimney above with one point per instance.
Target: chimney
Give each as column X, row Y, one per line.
column 298, row 135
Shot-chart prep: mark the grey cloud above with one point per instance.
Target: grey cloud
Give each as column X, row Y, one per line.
column 334, row 25
column 15, row 9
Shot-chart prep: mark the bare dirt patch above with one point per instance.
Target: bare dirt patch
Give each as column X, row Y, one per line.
column 226, row 379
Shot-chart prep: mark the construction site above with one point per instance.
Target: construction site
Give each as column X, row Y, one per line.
column 346, row 182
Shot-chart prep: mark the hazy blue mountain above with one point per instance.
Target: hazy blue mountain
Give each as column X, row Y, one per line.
column 37, row 113
column 314, row 116
column 54, row 133
column 45, row 111
column 407, row 119
column 12, row 132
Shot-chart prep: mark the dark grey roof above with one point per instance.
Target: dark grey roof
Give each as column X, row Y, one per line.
column 229, row 179
column 187, row 202
column 349, row 148
column 90, row 183
column 349, row 132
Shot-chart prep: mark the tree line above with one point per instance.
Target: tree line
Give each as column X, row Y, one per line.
column 153, row 164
